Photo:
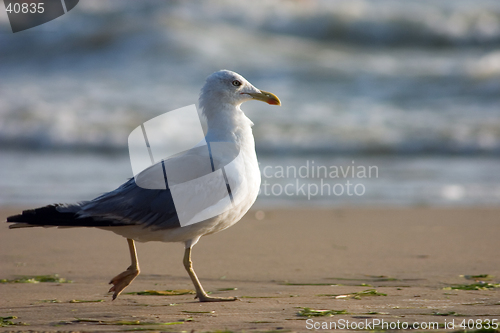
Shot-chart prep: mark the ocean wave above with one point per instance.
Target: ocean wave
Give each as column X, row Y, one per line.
column 85, row 80
column 98, row 25
column 295, row 140
column 394, row 23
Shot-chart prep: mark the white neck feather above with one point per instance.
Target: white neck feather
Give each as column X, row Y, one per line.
column 226, row 122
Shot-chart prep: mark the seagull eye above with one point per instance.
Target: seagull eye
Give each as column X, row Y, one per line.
column 236, row 83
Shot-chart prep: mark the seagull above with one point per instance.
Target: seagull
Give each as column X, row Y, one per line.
column 141, row 214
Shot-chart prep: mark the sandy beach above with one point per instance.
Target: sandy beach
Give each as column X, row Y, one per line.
column 407, row 259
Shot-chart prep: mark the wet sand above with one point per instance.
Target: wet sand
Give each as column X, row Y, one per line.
column 289, row 260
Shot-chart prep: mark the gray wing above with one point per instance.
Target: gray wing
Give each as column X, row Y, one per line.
column 132, row 205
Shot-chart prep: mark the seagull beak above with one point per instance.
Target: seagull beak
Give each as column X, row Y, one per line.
column 267, row 97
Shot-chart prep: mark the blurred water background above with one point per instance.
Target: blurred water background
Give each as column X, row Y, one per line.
column 411, row 87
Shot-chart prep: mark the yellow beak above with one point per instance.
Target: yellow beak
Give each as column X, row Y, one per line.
column 267, row 97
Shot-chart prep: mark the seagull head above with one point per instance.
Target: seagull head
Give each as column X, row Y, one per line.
column 231, row 88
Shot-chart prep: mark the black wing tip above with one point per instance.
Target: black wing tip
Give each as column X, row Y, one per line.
column 51, row 216
column 30, row 215
column 15, row 218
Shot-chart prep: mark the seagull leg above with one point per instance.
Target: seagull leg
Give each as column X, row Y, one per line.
column 200, row 293
column 122, row 280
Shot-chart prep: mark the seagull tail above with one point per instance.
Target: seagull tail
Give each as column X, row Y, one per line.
column 55, row 216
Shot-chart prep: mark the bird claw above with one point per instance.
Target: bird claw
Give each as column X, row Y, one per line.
column 206, row 298
column 122, row 280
